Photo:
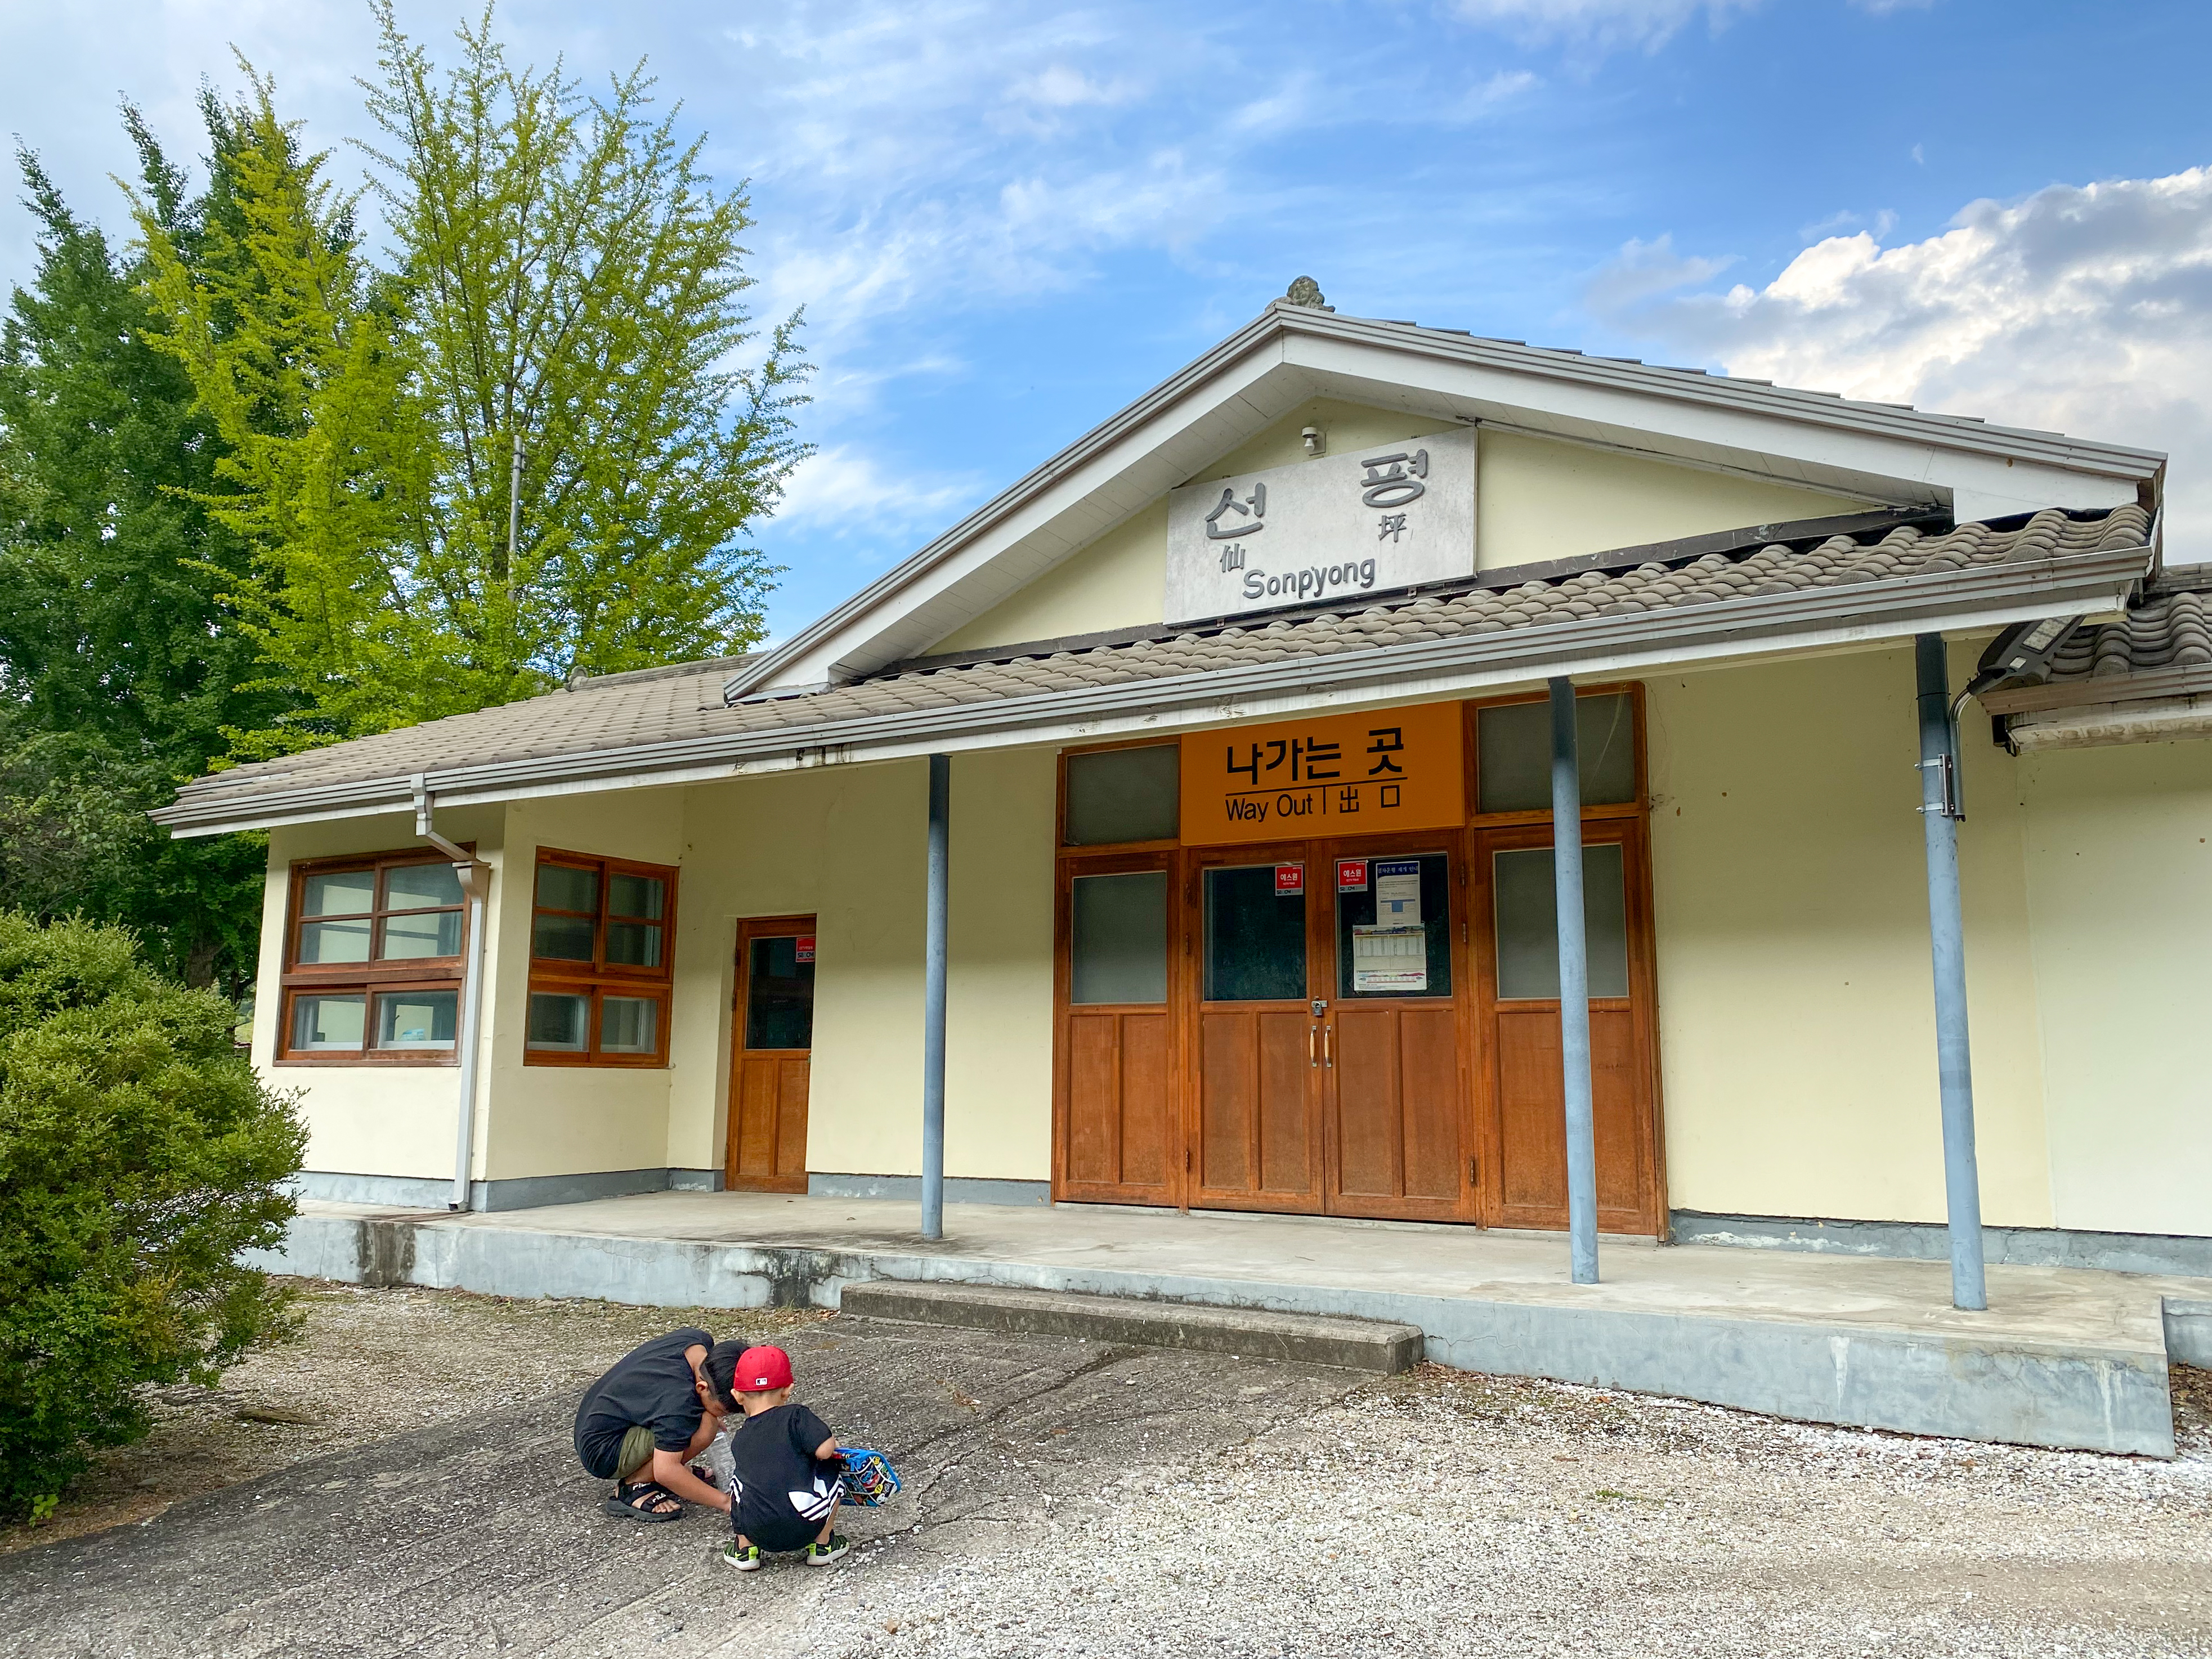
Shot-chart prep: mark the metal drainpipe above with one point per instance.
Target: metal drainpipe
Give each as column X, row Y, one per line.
column 932, row 1029
column 476, row 879
column 1574, row 984
column 1954, row 1072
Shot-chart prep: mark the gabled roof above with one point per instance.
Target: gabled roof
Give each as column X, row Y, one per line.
column 1645, row 607
column 1289, row 353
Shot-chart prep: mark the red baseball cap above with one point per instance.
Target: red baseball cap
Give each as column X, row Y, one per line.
column 760, row 1370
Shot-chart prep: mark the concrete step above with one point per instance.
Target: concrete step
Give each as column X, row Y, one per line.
column 1358, row 1344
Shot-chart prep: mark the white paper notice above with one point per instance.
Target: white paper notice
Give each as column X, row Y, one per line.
column 1390, row 958
column 1398, row 892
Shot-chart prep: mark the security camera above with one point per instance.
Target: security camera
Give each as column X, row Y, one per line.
column 1315, row 442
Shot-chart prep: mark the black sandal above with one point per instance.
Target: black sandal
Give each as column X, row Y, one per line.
column 638, row 1501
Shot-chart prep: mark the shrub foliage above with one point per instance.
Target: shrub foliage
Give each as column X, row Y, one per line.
column 139, row 1154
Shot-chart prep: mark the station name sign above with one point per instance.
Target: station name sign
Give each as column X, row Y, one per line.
column 1386, row 516
column 1330, row 775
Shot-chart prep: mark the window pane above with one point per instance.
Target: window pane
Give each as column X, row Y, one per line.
column 1392, row 956
column 327, row 1022
column 779, row 995
column 423, row 933
column 334, row 941
column 635, row 895
column 1513, row 754
column 634, row 943
column 561, row 888
column 421, row 886
column 565, row 938
column 1256, row 938
column 1118, row 943
column 1529, row 918
column 416, row 1019
column 629, row 1025
column 1122, row 794
column 559, row 1021
column 345, row 893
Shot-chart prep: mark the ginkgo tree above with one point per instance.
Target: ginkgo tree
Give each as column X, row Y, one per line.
column 519, row 442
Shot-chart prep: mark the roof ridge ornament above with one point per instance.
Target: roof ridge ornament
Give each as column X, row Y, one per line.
column 1304, row 291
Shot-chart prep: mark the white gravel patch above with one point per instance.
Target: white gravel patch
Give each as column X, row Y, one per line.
column 1448, row 1514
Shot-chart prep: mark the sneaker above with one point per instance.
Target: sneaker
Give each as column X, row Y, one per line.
column 821, row 1555
column 745, row 1557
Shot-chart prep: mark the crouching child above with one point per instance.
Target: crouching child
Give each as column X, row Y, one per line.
column 788, row 1474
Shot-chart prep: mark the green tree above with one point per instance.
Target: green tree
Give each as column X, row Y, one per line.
column 139, row 1155
column 121, row 663
column 563, row 275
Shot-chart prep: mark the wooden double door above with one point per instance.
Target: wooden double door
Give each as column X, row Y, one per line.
column 1361, row 1028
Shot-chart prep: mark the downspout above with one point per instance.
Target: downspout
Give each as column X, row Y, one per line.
column 933, row 999
column 475, row 882
column 1574, row 984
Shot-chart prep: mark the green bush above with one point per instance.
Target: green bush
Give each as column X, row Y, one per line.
column 139, row 1154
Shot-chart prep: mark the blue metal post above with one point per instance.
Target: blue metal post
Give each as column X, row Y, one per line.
column 932, row 1018
column 1574, row 983
column 1954, row 1072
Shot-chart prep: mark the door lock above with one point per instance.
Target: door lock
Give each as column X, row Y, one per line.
column 1320, row 1006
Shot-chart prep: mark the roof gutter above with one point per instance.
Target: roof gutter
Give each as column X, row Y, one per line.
column 1807, row 618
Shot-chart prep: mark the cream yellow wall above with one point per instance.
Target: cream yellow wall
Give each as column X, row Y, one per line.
column 560, row 1120
column 362, row 1120
column 1536, row 499
column 1119, row 581
column 1796, row 1029
column 2120, row 888
column 846, row 846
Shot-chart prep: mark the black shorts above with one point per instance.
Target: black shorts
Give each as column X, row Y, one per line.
column 780, row 1533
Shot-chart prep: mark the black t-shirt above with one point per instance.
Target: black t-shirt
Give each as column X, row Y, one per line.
column 778, row 1481
column 652, row 1387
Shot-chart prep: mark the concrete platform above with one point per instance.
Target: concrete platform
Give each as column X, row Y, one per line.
column 2065, row 1357
column 1358, row 1345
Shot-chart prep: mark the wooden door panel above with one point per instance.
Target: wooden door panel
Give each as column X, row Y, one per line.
column 1617, row 1119
column 1285, row 1068
column 1228, row 1101
column 1369, row 1124
column 1118, row 1121
column 1255, row 1117
column 1433, row 1102
column 793, row 1078
column 1533, row 1113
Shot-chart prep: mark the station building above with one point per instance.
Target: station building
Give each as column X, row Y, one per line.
column 1250, row 837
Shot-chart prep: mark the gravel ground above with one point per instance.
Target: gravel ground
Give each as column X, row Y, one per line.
column 373, row 1363
column 1445, row 1513
column 1072, row 1498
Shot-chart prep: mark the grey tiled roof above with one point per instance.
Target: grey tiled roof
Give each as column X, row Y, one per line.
column 685, row 702
column 2171, row 628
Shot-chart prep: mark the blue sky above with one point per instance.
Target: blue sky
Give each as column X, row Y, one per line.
column 1006, row 221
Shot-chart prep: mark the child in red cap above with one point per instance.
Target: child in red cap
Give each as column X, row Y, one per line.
column 789, row 1472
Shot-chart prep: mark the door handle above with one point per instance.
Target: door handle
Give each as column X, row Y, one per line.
column 1310, row 1059
column 1326, row 1058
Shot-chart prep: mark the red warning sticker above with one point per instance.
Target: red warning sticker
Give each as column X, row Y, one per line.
column 1290, row 878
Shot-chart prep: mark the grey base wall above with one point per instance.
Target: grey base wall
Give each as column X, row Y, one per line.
column 958, row 1189
column 2084, row 1395
column 514, row 1193
column 2186, row 1254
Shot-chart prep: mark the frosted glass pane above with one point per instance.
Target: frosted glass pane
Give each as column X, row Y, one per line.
column 423, row 933
column 1118, row 943
column 1513, row 754
column 1529, row 918
column 1123, row 794
column 1256, row 938
column 349, row 892
column 421, row 887
column 629, row 1025
column 415, row 1019
column 334, row 941
column 327, row 1022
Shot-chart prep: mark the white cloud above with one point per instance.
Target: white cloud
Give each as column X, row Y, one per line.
column 844, row 491
column 1603, row 24
column 2082, row 309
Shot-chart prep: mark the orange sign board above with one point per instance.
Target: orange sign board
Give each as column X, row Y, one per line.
column 1330, row 775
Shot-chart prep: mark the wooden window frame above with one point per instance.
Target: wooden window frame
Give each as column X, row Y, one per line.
column 364, row 979
column 1090, row 850
column 1636, row 806
column 599, row 978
